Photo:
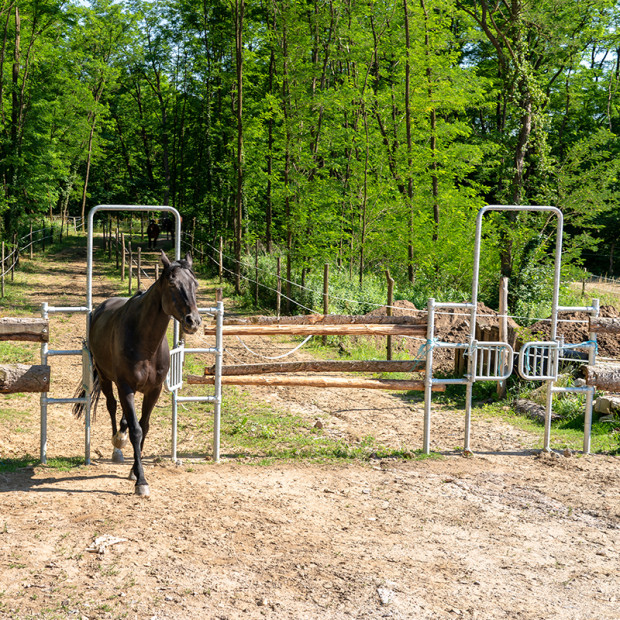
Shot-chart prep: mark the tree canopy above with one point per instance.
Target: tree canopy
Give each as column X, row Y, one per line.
column 366, row 133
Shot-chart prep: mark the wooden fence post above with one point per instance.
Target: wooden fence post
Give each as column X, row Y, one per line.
column 278, row 286
column 122, row 257
column 256, row 274
column 390, row 303
column 325, row 294
column 116, row 248
column 30, row 241
column 221, row 259
column 288, row 282
column 139, row 277
column 503, row 331
column 15, row 254
column 130, row 267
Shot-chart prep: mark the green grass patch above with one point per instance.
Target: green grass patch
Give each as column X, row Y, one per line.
column 566, row 433
column 261, row 434
column 60, row 463
column 19, row 353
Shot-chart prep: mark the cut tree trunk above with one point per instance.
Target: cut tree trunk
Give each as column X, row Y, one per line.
column 320, row 382
column 26, row 329
column 24, row 378
column 320, row 366
column 326, row 319
column 330, row 330
column 604, row 325
column 605, row 377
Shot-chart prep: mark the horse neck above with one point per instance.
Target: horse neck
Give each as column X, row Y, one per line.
column 153, row 320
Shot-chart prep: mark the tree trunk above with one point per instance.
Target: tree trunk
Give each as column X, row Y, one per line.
column 319, row 382
column 239, row 11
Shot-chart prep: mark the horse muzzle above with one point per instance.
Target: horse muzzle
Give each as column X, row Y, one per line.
column 191, row 323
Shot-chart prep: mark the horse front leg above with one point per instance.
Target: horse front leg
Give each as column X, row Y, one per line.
column 148, row 404
column 126, row 396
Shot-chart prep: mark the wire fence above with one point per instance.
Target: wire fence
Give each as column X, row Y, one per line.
column 220, row 260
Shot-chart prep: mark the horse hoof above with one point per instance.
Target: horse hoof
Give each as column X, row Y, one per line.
column 142, row 490
column 120, row 440
column 117, row 456
column 132, row 476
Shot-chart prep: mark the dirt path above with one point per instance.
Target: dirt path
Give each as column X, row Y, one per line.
column 506, row 534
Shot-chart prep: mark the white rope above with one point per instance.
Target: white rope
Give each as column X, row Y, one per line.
column 276, row 357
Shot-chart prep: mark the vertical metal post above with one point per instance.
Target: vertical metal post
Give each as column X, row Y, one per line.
column 503, row 334
column 468, row 396
column 175, row 405
column 428, row 378
column 44, row 349
column 219, row 345
column 587, row 423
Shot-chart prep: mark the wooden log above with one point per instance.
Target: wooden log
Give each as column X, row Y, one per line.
column 320, row 366
column 604, row 325
column 533, row 410
column 24, row 378
column 604, row 376
column 306, row 330
column 25, row 329
column 325, row 319
column 321, row 382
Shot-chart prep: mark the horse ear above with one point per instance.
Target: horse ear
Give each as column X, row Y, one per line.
column 188, row 258
column 164, row 259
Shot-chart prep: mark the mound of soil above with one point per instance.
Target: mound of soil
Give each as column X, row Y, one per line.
column 451, row 325
column 574, row 327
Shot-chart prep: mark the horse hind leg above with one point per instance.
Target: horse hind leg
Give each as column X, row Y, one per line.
column 119, row 439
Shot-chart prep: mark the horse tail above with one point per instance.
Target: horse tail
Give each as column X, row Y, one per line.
column 78, row 408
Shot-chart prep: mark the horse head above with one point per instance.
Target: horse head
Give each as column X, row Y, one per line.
column 179, row 286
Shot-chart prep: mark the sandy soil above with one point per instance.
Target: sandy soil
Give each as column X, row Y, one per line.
column 508, row 533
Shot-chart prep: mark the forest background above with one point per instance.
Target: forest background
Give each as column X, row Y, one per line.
column 361, row 133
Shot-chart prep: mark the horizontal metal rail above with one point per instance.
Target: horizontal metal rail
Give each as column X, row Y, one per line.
column 57, row 309
column 197, row 399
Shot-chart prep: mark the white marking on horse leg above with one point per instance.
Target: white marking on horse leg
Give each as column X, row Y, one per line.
column 120, row 439
column 142, row 490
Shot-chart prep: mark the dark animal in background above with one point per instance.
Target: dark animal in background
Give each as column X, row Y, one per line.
column 152, row 232
column 127, row 340
column 167, row 226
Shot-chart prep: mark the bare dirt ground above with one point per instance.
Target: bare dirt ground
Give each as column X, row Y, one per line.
column 509, row 533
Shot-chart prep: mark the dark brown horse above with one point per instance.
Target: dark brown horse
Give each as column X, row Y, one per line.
column 127, row 340
column 152, row 233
